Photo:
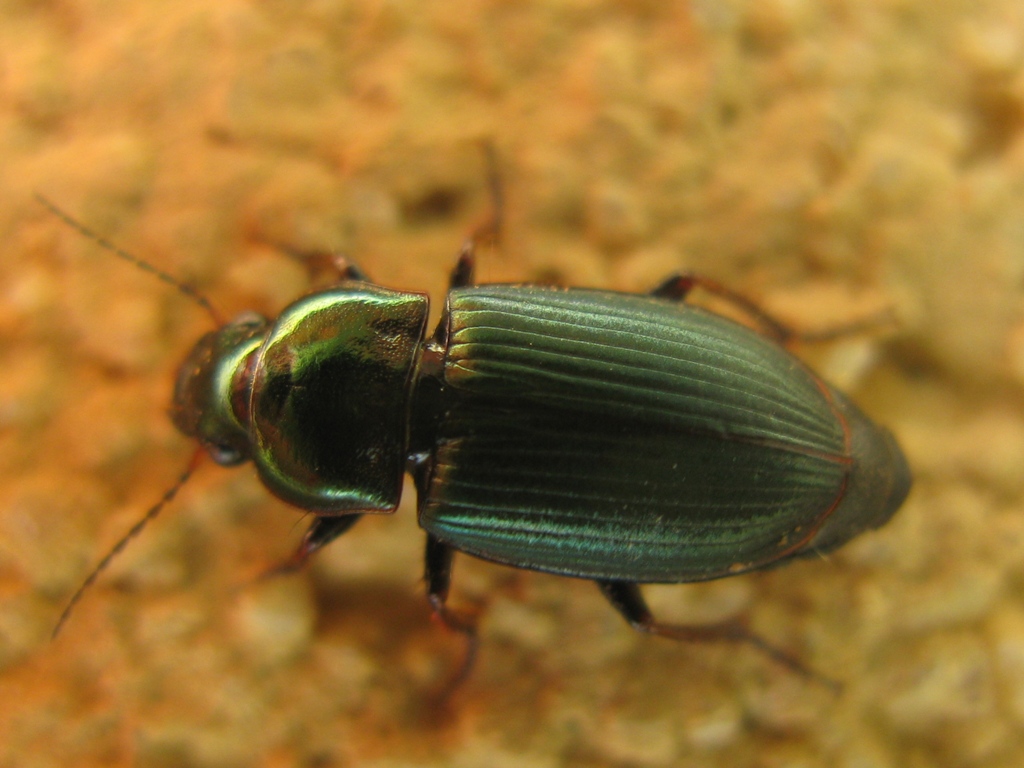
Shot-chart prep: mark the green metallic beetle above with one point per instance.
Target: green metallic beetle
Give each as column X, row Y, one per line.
column 621, row 438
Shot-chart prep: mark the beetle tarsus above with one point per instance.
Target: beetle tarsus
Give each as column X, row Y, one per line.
column 627, row 599
column 489, row 231
column 466, row 627
column 741, row 634
column 678, row 288
column 438, row 573
column 336, row 266
column 866, row 324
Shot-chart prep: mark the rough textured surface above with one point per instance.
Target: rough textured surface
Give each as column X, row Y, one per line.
column 827, row 158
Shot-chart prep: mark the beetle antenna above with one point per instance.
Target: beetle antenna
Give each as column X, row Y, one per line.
column 134, row 531
column 145, row 266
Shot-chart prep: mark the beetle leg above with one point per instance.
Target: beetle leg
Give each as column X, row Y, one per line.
column 461, row 275
column 336, row 266
column 462, row 272
column 488, row 232
column 322, row 532
column 346, row 269
column 678, row 287
column 438, row 567
column 626, row 598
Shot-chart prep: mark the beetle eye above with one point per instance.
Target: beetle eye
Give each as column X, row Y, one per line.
column 225, row 455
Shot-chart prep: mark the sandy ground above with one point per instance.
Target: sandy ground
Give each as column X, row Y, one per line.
column 829, row 159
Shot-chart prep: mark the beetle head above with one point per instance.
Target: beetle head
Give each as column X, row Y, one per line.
column 211, row 397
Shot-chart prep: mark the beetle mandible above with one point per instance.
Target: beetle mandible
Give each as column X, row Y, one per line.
column 620, row 438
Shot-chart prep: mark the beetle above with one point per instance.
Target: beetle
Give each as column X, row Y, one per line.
column 621, row 438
